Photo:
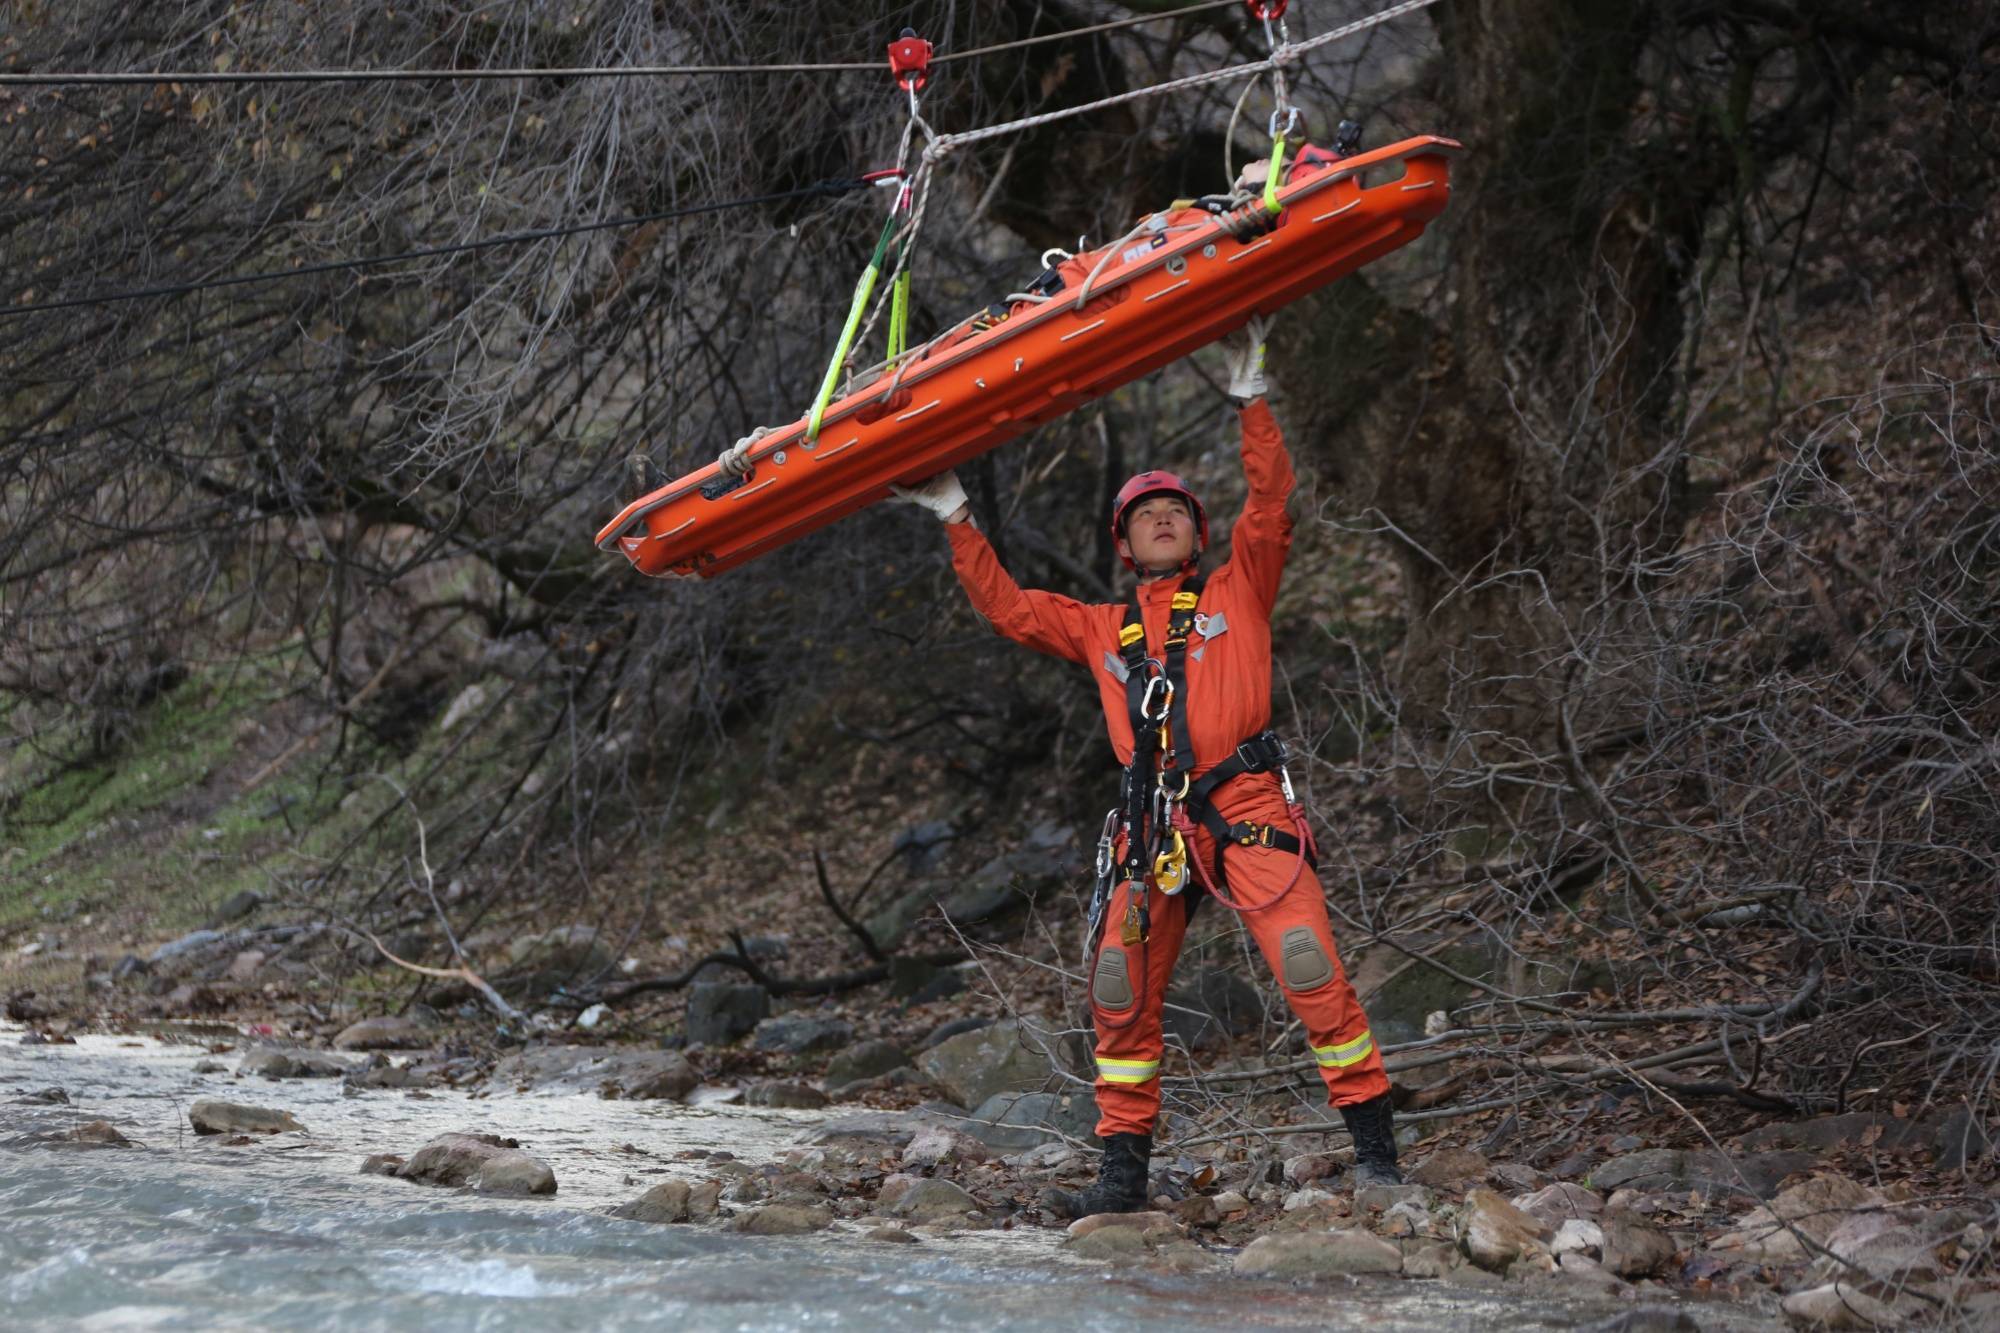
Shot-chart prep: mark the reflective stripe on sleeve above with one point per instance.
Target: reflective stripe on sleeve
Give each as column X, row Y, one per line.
column 1127, row 1071
column 1339, row 1057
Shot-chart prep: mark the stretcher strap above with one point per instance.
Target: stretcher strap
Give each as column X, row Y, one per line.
column 862, row 291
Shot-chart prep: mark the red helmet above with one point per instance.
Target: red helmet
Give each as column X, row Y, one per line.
column 1144, row 487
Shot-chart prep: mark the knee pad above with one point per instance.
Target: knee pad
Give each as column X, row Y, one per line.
column 1111, row 986
column 1304, row 962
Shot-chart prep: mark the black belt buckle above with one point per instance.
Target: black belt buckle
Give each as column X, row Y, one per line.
column 1263, row 752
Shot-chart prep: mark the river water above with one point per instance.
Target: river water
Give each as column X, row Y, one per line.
column 185, row 1233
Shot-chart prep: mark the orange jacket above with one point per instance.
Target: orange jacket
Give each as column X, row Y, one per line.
column 1228, row 670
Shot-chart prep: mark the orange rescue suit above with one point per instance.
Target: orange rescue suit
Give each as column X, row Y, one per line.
column 1228, row 701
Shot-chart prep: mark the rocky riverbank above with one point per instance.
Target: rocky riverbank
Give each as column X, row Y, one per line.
column 1780, row 1221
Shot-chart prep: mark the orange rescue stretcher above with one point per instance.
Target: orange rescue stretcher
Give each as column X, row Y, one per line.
column 1178, row 281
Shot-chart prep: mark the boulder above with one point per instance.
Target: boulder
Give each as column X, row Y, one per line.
column 245, row 965
column 788, row 1094
column 540, row 964
column 1580, row 1270
column 98, row 1134
column 390, row 1032
column 866, row 1059
column 783, row 1219
column 1448, row 1167
column 484, row 1161
column 1318, row 1255
column 1142, row 1221
column 934, row 1145
column 1838, row 1305
column 632, row 1073
column 893, row 1235
column 1381, row 1198
column 209, row 1116
column 1709, row 1173
column 950, row 1028
column 1495, row 1234
column 934, row 1201
column 668, row 1201
column 1013, row 1120
column 1816, row 1207
column 1557, row 1203
column 974, row 1066
column 801, row 1034
column 1632, row 1247
column 381, row 1164
column 867, row 1131
column 720, row 1012
column 1577, row 1235
column 283, row 1062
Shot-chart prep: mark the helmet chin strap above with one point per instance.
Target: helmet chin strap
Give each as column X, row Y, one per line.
column 1148, row 574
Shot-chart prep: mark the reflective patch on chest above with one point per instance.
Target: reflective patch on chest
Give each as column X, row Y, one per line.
column 1116, row 666
column 1209, row 627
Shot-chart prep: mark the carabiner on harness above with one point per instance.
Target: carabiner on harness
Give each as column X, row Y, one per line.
column 1157, row 687
column 1170, row 867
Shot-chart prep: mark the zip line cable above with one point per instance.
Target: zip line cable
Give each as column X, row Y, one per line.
column 1277, row 60
column 935, row 149
column 828, row 187
column 87, row 78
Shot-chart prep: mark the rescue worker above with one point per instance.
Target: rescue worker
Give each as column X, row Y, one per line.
column 1161, row 531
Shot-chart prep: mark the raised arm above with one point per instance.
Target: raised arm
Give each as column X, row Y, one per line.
column 1262, row 536
column 1044, row 621
column 1058, row 626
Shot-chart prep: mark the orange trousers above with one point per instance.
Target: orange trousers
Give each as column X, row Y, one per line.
column 1128, row 983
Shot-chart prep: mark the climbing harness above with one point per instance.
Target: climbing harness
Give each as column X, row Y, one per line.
column 1146, row 843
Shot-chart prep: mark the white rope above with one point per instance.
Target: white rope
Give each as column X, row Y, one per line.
column 1278, row 59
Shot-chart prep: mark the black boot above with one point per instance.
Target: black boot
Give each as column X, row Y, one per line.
column 1121, row 1181
column 1372, row 1125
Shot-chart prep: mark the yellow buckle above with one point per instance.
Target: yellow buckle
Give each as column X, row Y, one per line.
column 1170, row 866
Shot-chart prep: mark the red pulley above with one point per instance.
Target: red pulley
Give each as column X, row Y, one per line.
column 1267, row 9
column 910, row 59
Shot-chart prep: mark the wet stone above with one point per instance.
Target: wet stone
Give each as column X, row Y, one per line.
column 98, row 1134
column 783, row 1219
column 801, row 1034
column 1317, row 1255
column 786, row 1094
column 218, row 1117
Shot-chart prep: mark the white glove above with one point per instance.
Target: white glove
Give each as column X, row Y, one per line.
column 1245, row 358
column 942, row 495
column 735, row 460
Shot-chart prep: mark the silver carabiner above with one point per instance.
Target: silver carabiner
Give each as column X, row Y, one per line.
column 1105, row 843
column 1291, row 115
column 1160, row 685
column 1285, row 784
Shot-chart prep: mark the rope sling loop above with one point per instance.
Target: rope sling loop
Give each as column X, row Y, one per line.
column 909, row 61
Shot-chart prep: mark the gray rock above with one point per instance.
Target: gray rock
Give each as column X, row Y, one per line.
column 390, row 1032
column 514, row 1173
column 381, row 1164
column 1632, row 1247
column 947, row 1030
column 893, row 1235
column 1581, row 1271
column 1120, row 1245
column 934, row 1145
column 538, row 963
column 1314, row 1255
column 720, row 1012
column 1495, row 1234
column 196, row 941
column 1213, row 1004
column 1449, row 1166
column 209, row 1116
column 867, row 1131
column 1013, row 1120
column 784, row 1093
column 130, row 966
column 1839, row 1305
column 666, row 1202
column 865, row 1059
column 1555, row 1204
column 236, row 906
column 922, row 845
column 905, row 1077
column 1381, row 1198
column 1709, row 1173
column 97, row 1134
column 973, row 1066
column 783, row 1219
column 279, row 1062
column 610, row 1071
column 802, row 1034
column 934, row 1201
column 486, row 1162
